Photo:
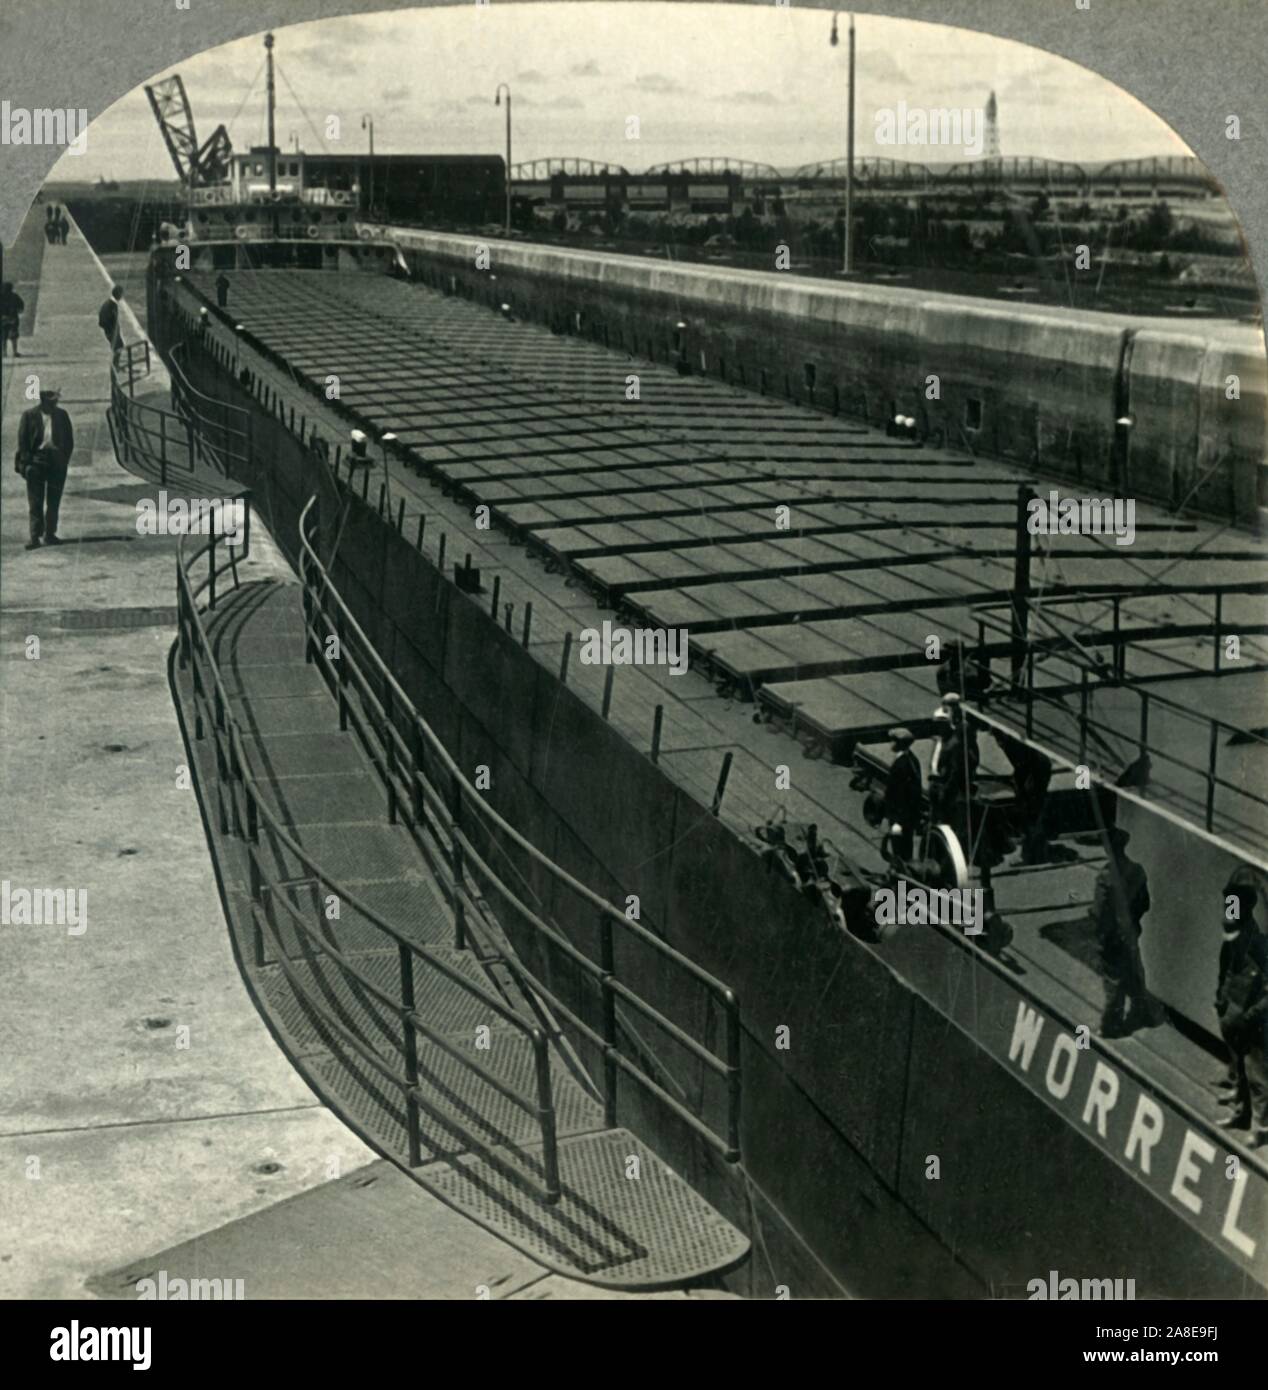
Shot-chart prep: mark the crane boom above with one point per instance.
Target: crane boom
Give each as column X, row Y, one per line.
column 196, row 165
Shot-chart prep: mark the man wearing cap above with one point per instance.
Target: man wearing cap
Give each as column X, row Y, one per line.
column 1119, row 902
column 46, row 441
column 903, row 800
column 1241, row 1001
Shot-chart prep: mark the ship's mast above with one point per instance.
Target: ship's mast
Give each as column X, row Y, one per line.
column 272, row 103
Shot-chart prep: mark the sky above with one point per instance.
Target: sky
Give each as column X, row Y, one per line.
column 750, row 82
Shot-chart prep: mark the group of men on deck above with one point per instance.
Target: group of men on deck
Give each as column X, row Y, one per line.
column 1120, row 901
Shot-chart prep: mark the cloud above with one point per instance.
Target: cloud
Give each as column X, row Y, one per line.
column 749, row 99
column 657, row 82
column 396, row 94
column 477, row 101
column 587, row 69
column 562, row 103
column 875, row 65
column 531, row 75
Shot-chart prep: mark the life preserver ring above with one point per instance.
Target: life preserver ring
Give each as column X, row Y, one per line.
column 314, row 232
column 365, row 233
column 242, row 231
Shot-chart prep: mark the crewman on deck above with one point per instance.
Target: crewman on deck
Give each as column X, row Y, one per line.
column 46, row 441
column 222, row 289
column 903, row 803
column 1119, row 903
column 1032, row 773
column 952, row 770
column 108, row 321
column 1241, row 1001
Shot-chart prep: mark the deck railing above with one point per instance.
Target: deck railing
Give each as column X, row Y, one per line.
column 245, row 810
column 426, row 787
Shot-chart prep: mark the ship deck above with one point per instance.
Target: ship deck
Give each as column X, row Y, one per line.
column 662, row 510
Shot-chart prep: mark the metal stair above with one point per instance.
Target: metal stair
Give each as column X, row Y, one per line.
column 621, row 1218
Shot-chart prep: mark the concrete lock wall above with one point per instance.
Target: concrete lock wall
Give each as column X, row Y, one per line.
column 1043, row 387
column 837, row 1126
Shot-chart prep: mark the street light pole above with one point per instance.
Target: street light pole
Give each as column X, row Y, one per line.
column 367, row 123
column 848, row 249
column 497, row 101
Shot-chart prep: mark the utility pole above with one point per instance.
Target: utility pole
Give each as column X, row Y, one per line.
column 847, row 257
column 849, row 165
column 497, row 101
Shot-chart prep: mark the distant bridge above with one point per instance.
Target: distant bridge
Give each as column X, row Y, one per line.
column 535, row 170
column 719, row 164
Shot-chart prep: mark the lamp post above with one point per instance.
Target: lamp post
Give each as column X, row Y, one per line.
column 384, row 441
column 848, row 249
column 497, row 101
column 367, row 123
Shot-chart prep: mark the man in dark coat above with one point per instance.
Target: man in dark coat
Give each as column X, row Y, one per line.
column 1241, row 1001
column 46, row 441
column 903, row 802
column 222, row 289
column 108, row 321
column 1119, row 903
column 12, row 308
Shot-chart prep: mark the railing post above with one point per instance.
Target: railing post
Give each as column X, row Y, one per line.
column 1083, row 689
column 732, row 1078
column 257, row 906
column 163, row 448
column 211, row 587
column 411, row 1053
column 390, row 750
column 343, row 676
column 607, row 964
column 1219, row 624
column 1144, row 722
column 306, row 600
column 459, row 907
column 658, row 721
column 563, row 665
column 528, row 623
column 1212, row 755
column 1030, row 692
column 546, row 1115
column 1119, row 654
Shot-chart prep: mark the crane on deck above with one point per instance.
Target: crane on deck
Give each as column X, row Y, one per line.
column 197, row 165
